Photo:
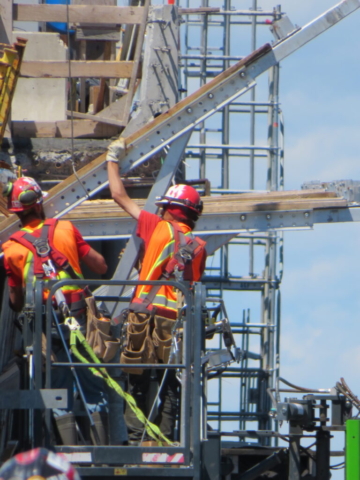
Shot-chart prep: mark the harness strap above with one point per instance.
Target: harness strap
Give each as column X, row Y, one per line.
column 43, row 249
column 29, row 289
column 184, row 248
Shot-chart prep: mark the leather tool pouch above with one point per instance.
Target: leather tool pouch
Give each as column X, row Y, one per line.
column 139, row 346
column 162, row 337
column 98, row 333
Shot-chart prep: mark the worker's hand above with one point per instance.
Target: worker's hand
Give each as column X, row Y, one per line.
column 116, row 151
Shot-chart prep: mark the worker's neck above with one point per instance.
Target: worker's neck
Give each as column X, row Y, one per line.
column 168, row 217
column 36, row 214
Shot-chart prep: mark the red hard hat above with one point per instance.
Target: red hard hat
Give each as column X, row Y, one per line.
column 22, row 194
column 182, row 195
column 38, row 463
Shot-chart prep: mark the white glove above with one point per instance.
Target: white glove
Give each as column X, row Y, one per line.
column 116, row 151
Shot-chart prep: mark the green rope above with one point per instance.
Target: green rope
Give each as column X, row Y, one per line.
column 152, row 430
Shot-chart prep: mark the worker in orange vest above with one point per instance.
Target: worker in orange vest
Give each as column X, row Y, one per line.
column 48, row 250
column 153, row 311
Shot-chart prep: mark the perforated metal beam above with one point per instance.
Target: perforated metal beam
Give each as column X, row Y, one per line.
column 219, row 229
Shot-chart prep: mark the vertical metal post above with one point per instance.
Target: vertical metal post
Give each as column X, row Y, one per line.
column 197, row 380
column 186, row 433
column 48, row 321
column 226, row 111
column 252, row 106
column 37, row 356
column 294, row 453
column 323, row 455
column 252, row 134
column 273, row 122
column 203, row 77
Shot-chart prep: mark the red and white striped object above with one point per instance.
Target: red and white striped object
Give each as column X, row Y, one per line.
column 163, row 458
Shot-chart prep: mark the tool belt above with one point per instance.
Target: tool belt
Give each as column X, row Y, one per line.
column 98, row 333
column 148, row 340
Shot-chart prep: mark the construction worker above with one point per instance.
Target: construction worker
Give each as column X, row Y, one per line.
column 39, row 464
column 152, row 314
column 47, row 250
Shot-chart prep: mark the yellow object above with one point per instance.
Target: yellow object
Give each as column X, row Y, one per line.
column 10, row 64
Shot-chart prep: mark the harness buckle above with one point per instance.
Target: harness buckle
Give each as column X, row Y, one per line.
column 49, row 268
column 178, row 274
column 72, row 323
column 42, row 247
column 185, row 254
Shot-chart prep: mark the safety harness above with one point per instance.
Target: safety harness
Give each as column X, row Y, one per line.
column 186, row 249
column 47, row 258
column 47, row 261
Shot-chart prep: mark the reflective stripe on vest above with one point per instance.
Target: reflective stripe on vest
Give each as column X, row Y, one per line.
column 62, row 275
column 159, row 299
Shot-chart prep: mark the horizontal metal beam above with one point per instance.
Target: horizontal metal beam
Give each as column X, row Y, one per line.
column 219, row 229
column 215, row 283
column 120, row 455
column 36, row 399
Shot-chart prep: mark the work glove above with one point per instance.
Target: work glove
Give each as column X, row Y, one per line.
column 116, row 151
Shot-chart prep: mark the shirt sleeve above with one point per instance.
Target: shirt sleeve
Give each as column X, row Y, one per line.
column 82, row 246
column 13, row 273
column 146, row 225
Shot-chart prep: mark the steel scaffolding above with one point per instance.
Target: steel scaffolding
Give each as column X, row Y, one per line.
column 238, row 396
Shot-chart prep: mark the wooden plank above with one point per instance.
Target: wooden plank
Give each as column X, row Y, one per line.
column 97, row 33
column 96, row 118
column 271, row 196
column 63, row 129
column 78, row 14
column 79, row 69
column 306, row 204
column 109, row 209
column 98, row 209
column 3, row 209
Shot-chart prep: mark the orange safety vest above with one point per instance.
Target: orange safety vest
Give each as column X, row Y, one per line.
column 181, row 253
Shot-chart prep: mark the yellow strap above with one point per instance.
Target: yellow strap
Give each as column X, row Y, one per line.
column 152, row 430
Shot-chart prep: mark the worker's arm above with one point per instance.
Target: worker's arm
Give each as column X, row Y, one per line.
column 95, row 261
column 118, row 192
column 16, row 298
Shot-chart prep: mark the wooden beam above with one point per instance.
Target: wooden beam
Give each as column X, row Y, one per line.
column 96, row 118
column 63, row 129
column 97, row 14
column 79, row 69
column 96, row 209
